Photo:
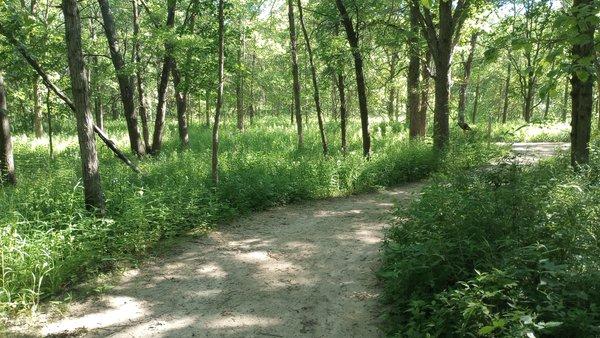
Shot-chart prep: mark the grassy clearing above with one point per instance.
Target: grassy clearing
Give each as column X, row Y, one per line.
column 508, row 251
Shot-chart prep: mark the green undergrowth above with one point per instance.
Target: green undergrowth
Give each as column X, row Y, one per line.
column 49, row 242
column 502, row 251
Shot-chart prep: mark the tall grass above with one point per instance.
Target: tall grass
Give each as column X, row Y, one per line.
column 48, row 241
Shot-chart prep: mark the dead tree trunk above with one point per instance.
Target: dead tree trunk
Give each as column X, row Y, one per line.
column 125, row 80
column 94, row 198
column 295, row 73
column 361, row 86
column 7, row 163
column 315, row 83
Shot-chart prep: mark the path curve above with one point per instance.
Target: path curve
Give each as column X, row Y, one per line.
column 304, row 270
column 293, row 271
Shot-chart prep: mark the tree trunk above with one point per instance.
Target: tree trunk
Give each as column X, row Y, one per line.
column 566, row 101
column 94, row 198
column 207, row 112
column 547, row 106
column 125, row 80
column 215, row 134
column 421, row 125
column 529, row 96
column 582, row 87
column 343, row 113
column 181, row 100
column 138, row 75
column 361, row 86
column 506, row 92
column 392, row 86
column 295, row 73
column 462, row 99
column 99, row 112
column 315, row 83
column 412, row 79
column 7, row 163
column 441, row 127
column 239, row 84
column 161, row 106
column 37, row 110
column 476, row 103
column 50, row 131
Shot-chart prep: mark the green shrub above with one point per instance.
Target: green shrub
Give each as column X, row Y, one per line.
column 498, row 251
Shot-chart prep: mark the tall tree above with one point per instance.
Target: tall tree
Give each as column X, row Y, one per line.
column 361, row 87
column 93, row 196
column 7, row 163
column 441, row 38
column 295, row 73
column 343, row 112
column 181, row 101
column 124, row 78
column 413, row 76
column 138, row 74
column 219, row 106
column 161, row 106
column 464, row 84
column 313, row 72
column 506, row 94
column 582, row 79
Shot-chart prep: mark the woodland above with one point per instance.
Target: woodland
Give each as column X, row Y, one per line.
column 126, row 125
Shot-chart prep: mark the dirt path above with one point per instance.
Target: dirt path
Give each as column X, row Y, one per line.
column 293, row 271
column 300, row 270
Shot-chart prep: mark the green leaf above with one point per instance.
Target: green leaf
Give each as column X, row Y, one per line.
column 486, row 330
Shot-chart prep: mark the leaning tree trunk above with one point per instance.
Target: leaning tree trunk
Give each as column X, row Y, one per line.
column 215, row 134
column 462, row 96
column 295, row 74
column 582, row 86
column 315, row 83
column 124, row 77
column 7, row 163
column 94, row 198
column 181, row 100
column 138, row 75
column 161, row 106
column 412, row 78
column 361, row 86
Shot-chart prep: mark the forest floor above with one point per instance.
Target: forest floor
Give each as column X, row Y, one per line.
column 297, row 270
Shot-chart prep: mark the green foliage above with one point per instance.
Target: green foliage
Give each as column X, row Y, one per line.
column 48, row 242
column 506, row 251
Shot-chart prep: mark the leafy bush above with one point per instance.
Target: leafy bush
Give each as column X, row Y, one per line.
column 505, row 251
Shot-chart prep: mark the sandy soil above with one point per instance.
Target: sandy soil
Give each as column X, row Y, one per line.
column 304, row 270
column 300, row 270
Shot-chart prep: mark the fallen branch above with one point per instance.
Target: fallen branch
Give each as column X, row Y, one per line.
column 51, row 86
